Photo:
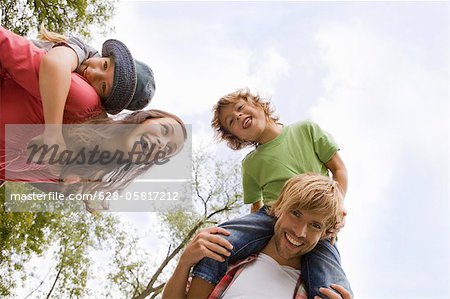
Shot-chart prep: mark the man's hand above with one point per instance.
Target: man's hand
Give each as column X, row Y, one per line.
column 332, row 232
column 207, row 243
column 331, row 293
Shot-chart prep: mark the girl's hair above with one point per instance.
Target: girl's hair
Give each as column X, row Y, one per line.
column 220, row 133
column 50, row 36
column 311, row 192
column 112, row 177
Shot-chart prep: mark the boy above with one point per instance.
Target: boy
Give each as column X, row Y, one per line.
column 307, row 205
column 243, row 119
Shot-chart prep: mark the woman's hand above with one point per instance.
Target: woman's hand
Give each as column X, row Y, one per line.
column 207, row 243
column 342, row 292
column 52, row 136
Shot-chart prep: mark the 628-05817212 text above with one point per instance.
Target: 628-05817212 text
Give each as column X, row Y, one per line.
column 135, row 196
column 150, row 196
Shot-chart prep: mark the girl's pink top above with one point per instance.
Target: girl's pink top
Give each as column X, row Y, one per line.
column 20, row 103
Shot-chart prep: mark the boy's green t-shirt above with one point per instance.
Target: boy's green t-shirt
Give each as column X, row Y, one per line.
column 302, row 147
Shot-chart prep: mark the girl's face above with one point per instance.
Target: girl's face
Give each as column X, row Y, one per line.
column 99, row 72
column 156, row 135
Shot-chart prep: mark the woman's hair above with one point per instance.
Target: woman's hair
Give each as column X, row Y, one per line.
column 50, row 36
column 311, row 192
column 220, row 133
column 112, row 177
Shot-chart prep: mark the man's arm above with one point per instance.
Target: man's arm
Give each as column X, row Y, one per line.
column 205, row 244
column 200, row 289
column 339, row 171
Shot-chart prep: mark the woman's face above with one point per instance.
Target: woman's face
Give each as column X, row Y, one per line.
column 156, row 135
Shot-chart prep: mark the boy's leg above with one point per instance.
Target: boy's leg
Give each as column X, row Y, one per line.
column 322, row 267
column 249, row 234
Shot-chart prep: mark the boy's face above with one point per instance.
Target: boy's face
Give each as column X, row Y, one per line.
column 297, row 232
column 244, row 120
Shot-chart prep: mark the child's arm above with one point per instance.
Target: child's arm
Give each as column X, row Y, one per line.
column 54, row 83
column 256, row 206
column 339, row 171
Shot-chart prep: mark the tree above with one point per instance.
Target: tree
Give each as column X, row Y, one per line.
column 67, row 236
column 134, row 271
column 216, row 196
column 69, row 17
column 21, row 235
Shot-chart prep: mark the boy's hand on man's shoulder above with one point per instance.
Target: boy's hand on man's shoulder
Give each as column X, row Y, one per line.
column 256, row 206
column 332, row 233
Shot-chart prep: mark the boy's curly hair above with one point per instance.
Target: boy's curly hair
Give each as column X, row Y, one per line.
column 220, row 133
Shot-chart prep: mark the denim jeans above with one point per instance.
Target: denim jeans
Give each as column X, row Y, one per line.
column 321, row 267
column 251, row 233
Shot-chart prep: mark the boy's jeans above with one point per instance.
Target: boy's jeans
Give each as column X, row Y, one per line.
column 250, row 234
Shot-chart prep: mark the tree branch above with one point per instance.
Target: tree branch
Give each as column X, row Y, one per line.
column 155, row 276
column 59, row 272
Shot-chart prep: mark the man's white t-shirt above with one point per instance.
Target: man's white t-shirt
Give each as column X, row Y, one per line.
column 264, row 278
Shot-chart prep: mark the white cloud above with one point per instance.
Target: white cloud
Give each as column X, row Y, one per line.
column 379, row 98
column 382, row 99
column 382, row 103
column 196, row 62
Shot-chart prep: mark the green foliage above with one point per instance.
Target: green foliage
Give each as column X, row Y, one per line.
column 130, row 267
column 27, row 234
column 216, row 196
column 67, row 236
column 21, row 235
column 62, row 16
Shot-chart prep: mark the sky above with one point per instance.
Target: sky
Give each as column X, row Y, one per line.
column 373, row 74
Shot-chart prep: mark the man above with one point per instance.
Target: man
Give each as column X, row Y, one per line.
column 308, row 205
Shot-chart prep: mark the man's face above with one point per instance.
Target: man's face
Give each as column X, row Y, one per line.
column 244, row 120
column 297, row 232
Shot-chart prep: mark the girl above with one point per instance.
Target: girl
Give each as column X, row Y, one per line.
column 120, row 81
column 21, row 103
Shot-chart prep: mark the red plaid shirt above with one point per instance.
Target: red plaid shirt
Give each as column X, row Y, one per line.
column 236, row 269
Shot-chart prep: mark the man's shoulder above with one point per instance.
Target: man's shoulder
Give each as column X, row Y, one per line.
column 246, row 260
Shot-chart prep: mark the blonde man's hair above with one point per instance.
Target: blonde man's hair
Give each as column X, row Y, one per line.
column 311, row 192
column 50, row 36
column 220, row 133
